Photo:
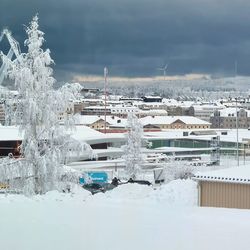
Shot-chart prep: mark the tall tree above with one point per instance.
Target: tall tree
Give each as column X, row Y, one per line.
column 132, row 150
column 37, row 112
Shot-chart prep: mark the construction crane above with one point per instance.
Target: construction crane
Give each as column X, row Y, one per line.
column 14, row 50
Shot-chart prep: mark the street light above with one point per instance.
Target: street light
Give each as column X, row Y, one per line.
column 105, row 100
column 237, row 132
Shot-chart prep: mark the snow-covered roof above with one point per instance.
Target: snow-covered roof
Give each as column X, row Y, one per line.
column 90, row 119
column 171, row 119
column 233, row 175
column 83, row 133
column 185, row 104
column 89, row 135
column 174, row 102
column 231, row 112
column 149, row 104
column 211, row 106
column 98, row 107
column 170, row 101
column 11, row 133
column 154, row 111
column 122, row 107
column 91, row 100
column 153, row 97
column 87, row 119
column 226, row 135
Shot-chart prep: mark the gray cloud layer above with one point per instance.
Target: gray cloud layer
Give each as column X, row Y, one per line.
column 133, row 37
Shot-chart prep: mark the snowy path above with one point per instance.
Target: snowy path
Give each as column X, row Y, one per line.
column 142, row 218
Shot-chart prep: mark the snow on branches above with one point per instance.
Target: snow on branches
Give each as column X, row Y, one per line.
column 46, row 142
column 132, row 150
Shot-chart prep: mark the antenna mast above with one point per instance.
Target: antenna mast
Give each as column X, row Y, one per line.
column 236, row 68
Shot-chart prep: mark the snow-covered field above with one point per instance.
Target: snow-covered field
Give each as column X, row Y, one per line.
column 129, row 217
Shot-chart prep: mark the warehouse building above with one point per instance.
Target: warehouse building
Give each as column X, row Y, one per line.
column 175, row 122
column 228, row 188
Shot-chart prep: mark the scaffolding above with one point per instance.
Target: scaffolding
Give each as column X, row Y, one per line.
column 215, row 150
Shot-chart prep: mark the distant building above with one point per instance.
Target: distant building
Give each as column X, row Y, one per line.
column 78, row 107
column 130, row 99
column 67, row 112
column 98, row 122
column 152, row 112
column 123, row 111
column 226, row 118
column 152, row 99
column 150, row 105
column 96, row 110
column 11, row 139
column 204, row 111
column 175, row 122
column 180, row 111
column 92, row 102
column 89, row 90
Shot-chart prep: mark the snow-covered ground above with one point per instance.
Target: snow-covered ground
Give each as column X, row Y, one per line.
column 129, row 217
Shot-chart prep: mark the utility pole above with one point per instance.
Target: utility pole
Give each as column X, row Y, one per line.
column 105, row 98
column 237, row 132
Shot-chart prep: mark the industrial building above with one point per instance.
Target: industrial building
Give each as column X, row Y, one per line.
column 228, row 188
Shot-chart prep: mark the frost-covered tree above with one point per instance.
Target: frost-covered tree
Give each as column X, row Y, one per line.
column 45, row 142
column 132, row 150
column 178, row 170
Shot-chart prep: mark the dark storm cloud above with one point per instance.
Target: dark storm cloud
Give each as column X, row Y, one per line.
column 133, row 37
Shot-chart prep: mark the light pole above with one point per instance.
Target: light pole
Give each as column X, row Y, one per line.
column 237, row 133
column 105, row 98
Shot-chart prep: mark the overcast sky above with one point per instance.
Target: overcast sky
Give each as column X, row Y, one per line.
column 134, row 37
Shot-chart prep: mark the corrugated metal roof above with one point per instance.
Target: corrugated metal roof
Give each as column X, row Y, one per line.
column 231, row 175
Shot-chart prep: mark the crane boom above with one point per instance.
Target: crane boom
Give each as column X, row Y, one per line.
column 13, row 43
column 4, row 66
column 14, row 50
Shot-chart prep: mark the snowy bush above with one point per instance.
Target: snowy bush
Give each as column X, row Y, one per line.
column 178, row 170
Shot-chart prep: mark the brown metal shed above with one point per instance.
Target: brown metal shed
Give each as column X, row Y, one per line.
column 229, row 188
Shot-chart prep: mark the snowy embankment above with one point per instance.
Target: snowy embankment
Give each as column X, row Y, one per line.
column 129, row 217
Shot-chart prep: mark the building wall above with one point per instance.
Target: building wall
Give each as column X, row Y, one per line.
column 2, row 114
column 78, row 108
column 182, row 126
column 95, row 111
column 10, row 147
column 180, row 111
column 203, row 114
column 229, row 121
column 222, row 194
column 181, row 143
column 100, row 124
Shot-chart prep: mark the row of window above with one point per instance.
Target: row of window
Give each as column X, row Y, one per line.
column 184, row 126
column 123, row 111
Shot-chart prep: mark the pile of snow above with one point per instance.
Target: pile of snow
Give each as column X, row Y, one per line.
column 77, row 194
column 178, row 192
column 131, row 216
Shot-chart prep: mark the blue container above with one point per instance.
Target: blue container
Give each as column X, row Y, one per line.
column 96, row 177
